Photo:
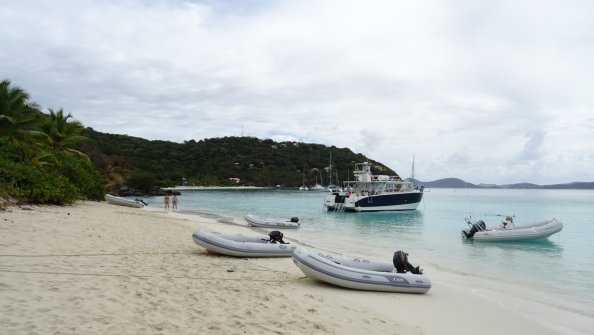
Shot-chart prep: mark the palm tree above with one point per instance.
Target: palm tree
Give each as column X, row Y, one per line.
column 17, row 114
column 60, row 134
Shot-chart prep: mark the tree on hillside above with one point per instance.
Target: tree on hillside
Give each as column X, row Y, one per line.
column 17, row 114
column 60, row 134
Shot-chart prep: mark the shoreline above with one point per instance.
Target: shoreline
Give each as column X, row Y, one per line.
column 198, row 188
column 96, row 268
column 513, row 299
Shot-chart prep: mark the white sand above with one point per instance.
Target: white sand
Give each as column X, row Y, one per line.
column 96, row 268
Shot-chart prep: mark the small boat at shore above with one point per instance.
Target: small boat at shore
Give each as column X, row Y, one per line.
column 257, row 221
column 239, row 245
column 112, row 199
column 358, row 274
column 509, row 231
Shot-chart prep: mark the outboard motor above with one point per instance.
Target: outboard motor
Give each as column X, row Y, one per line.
column 295, row 219
column 402, row 265
column 276, row 237
column 477, row 226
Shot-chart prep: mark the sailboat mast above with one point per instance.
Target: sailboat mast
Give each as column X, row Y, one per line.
column 330, row 169
column 413, row 169
column 303, row 173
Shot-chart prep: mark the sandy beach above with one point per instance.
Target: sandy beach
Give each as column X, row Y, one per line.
column 96, row 268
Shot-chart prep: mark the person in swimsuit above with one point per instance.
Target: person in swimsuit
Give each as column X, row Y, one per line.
column 166, row 201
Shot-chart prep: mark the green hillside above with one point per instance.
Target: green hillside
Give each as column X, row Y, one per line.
column 142, row 164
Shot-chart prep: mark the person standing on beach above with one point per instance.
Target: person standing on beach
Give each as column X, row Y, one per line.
column 166, row 201
column 174, row 202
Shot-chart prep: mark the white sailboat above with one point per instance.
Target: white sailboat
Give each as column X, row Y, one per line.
column 303, row 187
column 331, row 187
column 318, row 187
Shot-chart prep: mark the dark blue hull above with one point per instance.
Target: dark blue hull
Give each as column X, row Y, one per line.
column 388, row 202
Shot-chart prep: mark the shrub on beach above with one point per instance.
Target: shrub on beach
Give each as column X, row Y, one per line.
column 82, row 175
column 74, row 179
column 30, row 184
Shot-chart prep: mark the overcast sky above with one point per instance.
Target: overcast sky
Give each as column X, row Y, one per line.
column 486, row 91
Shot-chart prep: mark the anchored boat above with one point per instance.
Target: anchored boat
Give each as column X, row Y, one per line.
column 242, row 245
column 509, row 231
column 257, row 221
column 358, row 274
column 112, row 199
column 369, row 193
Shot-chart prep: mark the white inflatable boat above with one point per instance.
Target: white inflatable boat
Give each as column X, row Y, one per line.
column 241, row 245
column 112, row 199
column 358, row 274
column 508, row 231
column 256, row 221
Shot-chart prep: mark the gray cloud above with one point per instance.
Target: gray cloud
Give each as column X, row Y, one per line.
column 493, row 92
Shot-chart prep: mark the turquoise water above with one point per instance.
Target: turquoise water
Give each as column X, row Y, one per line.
column 557, row 272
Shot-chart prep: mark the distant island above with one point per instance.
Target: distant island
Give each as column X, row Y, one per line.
column 459, row 183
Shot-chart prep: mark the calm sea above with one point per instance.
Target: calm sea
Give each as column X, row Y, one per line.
column 545, row 279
